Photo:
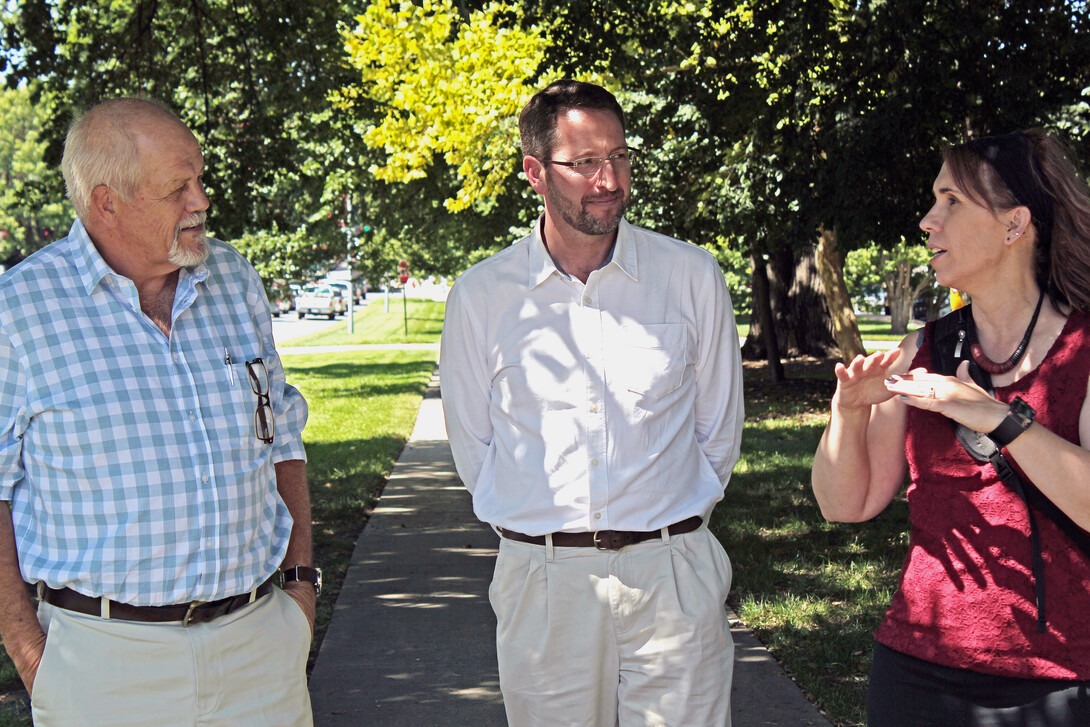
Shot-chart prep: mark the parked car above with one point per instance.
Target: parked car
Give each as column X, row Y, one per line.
column 320, row 300
column 344, row 286
column 281, row 298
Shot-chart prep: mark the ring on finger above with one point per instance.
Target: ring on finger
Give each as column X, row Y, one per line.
column 931, row 393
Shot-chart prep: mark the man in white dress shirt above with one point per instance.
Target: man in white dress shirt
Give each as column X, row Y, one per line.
column 593, row 396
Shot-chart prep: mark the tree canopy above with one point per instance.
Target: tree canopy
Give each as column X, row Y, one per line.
column 449, row 85
column 389, row 129
column 29, row 216
column 250, row 77
column 765, row 125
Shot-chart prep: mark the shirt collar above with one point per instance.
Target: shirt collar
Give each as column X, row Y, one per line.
column 88, row 261
column 541, row 264
column 93, row 268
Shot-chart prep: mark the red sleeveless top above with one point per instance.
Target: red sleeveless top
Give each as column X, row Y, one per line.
column 966, row 597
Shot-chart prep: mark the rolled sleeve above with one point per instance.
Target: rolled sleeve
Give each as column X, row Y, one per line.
column 290, row 409
column 291, row 414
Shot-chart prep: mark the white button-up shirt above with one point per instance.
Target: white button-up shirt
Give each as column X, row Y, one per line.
column 615, row 405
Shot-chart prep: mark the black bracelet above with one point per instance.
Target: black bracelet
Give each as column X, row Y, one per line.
column 1019, row 417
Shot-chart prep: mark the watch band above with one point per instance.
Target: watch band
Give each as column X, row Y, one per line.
column 313, row 576
column 1019, row 418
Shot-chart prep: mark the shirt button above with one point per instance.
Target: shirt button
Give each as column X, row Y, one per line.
column 594, row 408
column 597, row 516
column 174, row 356
column 204, row 477
column 192, row 417
column 587, row 300
column 594, row 463
column 209, row 543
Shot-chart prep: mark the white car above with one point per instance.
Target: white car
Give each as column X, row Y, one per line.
column 320, row 300
column 342, row 285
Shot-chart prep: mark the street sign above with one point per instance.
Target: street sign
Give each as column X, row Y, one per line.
column 403, row 276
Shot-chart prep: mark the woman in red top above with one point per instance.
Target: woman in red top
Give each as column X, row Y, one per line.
column 991, row 623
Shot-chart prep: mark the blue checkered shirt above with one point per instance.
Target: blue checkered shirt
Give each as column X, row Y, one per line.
column 130, row 458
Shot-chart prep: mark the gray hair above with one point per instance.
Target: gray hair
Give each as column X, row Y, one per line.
column 101, row 148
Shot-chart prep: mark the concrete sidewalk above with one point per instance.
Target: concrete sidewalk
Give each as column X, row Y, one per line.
column 411, row 641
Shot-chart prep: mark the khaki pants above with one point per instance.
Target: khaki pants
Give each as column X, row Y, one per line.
column 633, row 637
column 245, row 668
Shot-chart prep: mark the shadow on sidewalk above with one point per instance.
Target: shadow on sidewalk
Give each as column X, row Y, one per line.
column 411, row 640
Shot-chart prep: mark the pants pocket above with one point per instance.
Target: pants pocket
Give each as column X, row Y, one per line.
column 42, row 680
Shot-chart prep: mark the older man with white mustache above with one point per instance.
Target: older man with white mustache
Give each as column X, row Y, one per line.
column 151, row 453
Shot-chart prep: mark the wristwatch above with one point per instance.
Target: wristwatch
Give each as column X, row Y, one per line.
column 313, row 576
column 1019, row 417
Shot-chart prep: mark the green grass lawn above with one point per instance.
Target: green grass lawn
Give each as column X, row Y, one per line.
column 374, row 325
column 812, row 591
column 872, row 329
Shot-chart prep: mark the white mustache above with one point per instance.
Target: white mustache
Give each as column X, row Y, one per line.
column 197, row 218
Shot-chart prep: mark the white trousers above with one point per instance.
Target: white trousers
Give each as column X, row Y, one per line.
column 632, row 637
column 247, row 668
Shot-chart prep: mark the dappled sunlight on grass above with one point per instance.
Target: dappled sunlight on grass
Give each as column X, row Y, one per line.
column 811, row 590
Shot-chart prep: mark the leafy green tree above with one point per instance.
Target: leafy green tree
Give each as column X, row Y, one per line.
column 29, row 217
column 449, row 85
column 250, row 77
column 825, row 117
column 291, row 257
column 901, row 272
column 435, row 103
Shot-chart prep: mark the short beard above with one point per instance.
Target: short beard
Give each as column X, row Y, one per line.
column 578, row 218
column 185, row 258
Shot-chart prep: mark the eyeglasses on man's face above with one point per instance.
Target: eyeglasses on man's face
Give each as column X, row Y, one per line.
column 619, row 161
column 259, row 383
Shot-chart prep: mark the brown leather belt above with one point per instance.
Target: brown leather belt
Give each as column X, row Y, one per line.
column 603, row 539
column 188, row 613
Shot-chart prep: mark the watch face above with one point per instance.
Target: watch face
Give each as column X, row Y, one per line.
column 1023, row 412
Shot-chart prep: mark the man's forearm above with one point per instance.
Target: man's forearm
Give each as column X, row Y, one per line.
column 291, row 483
column 22, row 634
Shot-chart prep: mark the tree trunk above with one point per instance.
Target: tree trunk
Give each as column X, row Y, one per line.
column 831, row 266
column 799, row 313
column 901, row 295
column 762, row 308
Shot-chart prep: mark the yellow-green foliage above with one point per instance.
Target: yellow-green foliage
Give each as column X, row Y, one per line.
column 451, row 85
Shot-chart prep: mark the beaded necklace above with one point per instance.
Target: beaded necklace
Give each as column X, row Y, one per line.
column 1003, row 367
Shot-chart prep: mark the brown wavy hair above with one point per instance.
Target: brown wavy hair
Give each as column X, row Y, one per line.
column 1062, row 266
column 537, row 122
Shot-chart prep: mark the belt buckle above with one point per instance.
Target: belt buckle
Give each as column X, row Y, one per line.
column 193, row 606
column 600, row 544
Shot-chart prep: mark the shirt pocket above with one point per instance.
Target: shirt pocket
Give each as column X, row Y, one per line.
column 653, row 359
column 240, row 403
